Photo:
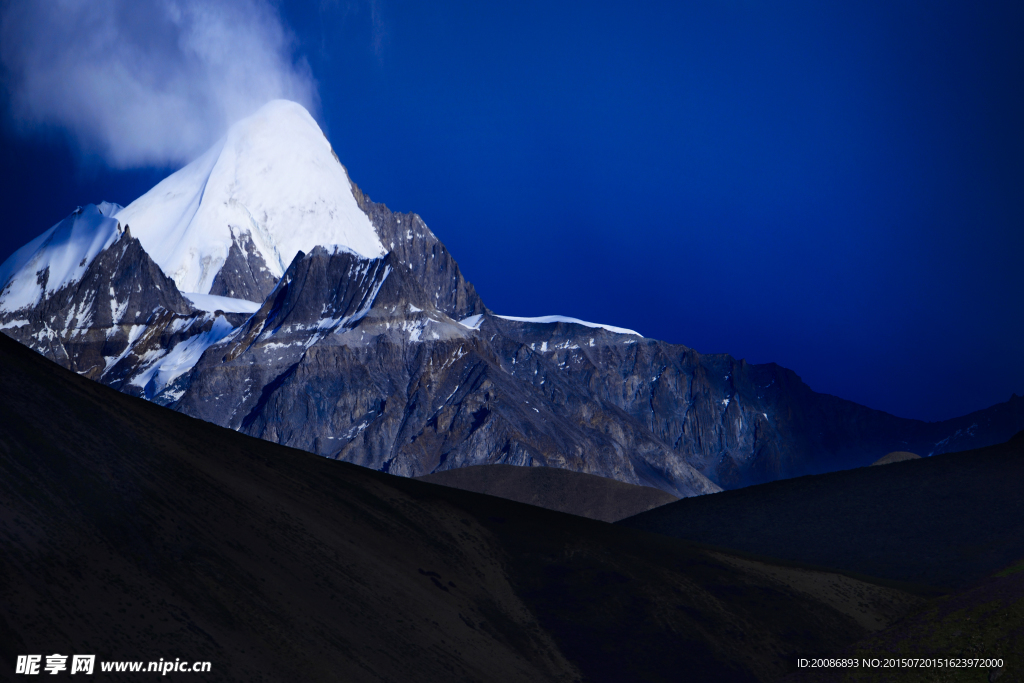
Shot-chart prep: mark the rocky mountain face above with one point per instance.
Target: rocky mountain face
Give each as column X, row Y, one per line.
column 350, row 358
column 392, row 361
column 245, row 274
column 110, row 324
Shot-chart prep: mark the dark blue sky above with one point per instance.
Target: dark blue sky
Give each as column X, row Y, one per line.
column 836, row 189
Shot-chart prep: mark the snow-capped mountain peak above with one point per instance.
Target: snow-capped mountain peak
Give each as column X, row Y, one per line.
column 58, row 257
column 270, row 188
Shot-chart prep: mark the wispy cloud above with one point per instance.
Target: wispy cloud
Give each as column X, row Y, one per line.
column 380, row 31
column 146, row 83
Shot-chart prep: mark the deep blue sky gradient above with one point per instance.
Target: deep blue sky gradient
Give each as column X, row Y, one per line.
column 836, row 189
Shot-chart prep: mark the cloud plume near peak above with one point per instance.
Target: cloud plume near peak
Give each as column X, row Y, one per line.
column 146, row 83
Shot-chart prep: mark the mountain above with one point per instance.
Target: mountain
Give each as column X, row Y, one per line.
column 555, row 489
column 259, row 289
column 133, row 532
column 946, row 521
column 896, row 456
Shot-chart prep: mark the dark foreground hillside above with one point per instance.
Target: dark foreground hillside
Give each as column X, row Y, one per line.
column 945, row 521
column 133, row 532
column 973, row 627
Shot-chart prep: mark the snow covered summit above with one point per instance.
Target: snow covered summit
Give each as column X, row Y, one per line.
column 57, row 257
column 231, row 221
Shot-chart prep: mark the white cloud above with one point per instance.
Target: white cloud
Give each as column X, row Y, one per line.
column 146, row 83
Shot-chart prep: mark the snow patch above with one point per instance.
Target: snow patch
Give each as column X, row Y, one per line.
column 117, row 310
column 472, row 322
column 417, row 330
column 181, row 358
column 564, row 319
column 212, row 303
column 270, row 346
column 133, row 336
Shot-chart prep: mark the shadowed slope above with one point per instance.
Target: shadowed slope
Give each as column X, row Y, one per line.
column 134, row 532
column 943, row 521
column 984, row 622
column 577, row 493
